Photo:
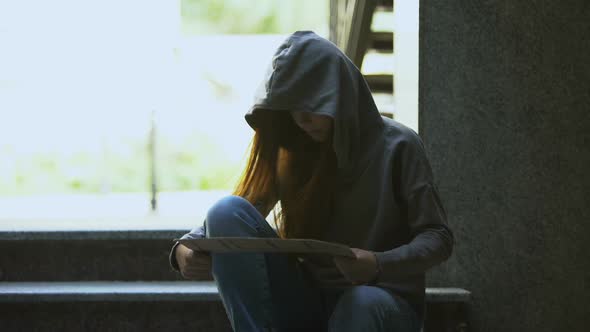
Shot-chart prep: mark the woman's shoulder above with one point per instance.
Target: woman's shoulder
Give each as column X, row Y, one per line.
column 398, row 133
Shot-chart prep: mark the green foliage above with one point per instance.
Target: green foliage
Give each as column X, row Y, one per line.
column 253, row 16
column 196, row 163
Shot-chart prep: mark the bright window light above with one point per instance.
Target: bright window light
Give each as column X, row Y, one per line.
column 81, row 82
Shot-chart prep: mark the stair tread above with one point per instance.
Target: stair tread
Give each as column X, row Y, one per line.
column 378, row 76
column 381, row 41
column 382, row 35
column 85, row 291
column 380, row 82
column 384, row 5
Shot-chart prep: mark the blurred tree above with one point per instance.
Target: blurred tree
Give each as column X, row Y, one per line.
column 253, row 16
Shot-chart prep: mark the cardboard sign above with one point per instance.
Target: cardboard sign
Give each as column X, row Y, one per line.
column 267, row 245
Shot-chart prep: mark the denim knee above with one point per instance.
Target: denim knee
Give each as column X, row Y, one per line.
column 229, row 215
column 370, row 308
column 366, row 297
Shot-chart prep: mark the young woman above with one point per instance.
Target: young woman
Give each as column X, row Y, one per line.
column 341, row 173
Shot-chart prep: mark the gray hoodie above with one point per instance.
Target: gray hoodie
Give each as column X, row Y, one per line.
column 385, row 199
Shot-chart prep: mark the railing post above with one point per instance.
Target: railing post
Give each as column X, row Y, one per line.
column 152, row 162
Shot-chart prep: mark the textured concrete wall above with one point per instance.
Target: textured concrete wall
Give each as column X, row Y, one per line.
column 505, row 115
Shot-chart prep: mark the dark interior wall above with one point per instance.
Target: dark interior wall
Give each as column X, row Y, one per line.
column 505, row 116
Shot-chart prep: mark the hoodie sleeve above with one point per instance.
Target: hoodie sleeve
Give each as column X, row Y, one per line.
column 198, row 232
column 432, row 239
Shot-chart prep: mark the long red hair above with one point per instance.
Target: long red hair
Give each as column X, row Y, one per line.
column 287, row 166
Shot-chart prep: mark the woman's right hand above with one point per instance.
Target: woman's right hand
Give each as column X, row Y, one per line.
column 195, row 265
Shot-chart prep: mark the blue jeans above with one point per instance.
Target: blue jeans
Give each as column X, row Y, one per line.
column 270, row 292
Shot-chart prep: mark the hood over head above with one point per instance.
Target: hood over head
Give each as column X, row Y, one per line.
column 310, row 74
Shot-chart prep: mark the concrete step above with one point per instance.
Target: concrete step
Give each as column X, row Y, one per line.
column 163, row 291
column 87, row 256
column 108, row 291
column 111, row 306
column 156, row 306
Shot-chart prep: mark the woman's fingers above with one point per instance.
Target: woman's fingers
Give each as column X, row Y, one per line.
column 197, row 273
column 346, row 267
column 198, row 258
column 194, row 265
column 198, row 268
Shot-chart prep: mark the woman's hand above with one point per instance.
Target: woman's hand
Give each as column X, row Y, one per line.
column 359, row 270
column 195, row 265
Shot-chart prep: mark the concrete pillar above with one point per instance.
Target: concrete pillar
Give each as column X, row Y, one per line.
column 504, row 110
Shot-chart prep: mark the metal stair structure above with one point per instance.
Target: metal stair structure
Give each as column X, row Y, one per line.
column 351, row 29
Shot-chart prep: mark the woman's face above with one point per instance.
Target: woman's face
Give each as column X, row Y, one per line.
column 317, row 126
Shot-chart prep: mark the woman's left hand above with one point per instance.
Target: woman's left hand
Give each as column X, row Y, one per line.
column 359, row 270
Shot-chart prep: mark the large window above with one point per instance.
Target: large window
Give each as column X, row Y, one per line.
column 101, row 102
column 101, row 99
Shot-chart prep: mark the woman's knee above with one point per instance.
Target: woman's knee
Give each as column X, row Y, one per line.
column 223, row 216
column 370, row 308
column 366, row 297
